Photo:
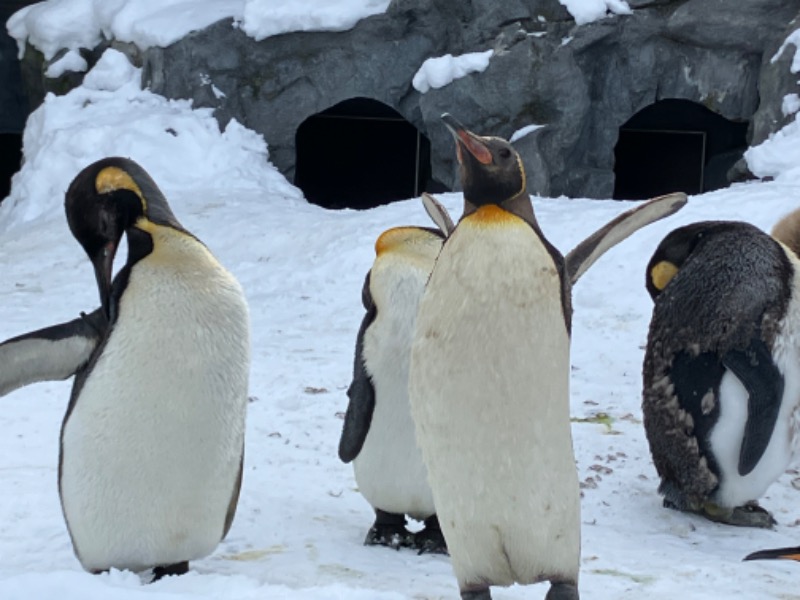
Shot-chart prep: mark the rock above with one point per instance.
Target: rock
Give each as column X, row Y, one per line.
column 580, row 82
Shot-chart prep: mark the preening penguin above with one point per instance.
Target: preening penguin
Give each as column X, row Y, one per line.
column 152, row 441
column 378, row 434
column 722, row 367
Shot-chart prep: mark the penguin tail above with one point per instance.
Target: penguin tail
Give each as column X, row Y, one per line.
column 783, row 553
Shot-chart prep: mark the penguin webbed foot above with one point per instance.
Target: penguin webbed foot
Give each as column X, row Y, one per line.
column 389, row 530
column 751, row 515
column 476, row 594
column 747, row 515
column 430, row 540
column 180, row 568
column 562, row 591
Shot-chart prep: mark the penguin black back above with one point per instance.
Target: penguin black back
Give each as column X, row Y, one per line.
column 720, row 290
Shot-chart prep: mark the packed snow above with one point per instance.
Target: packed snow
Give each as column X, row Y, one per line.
column 300, row 523
column 586, row 11
column 439, row 71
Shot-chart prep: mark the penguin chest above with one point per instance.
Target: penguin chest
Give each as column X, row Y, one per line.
column 490, row 397
column 389, row 469
column 151, row 448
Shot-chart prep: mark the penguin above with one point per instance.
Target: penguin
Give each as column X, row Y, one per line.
column 151, row 446
column 489, row 379
column 721, row 374
column 378, row 433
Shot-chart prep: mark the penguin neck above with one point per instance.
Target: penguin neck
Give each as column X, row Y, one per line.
column 519, row 205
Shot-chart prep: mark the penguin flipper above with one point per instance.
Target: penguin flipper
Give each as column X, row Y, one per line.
column 361, row 392
column 438, row 214
column 50, row 354
column 754, row 367
column 612, row 233
column 792, row 553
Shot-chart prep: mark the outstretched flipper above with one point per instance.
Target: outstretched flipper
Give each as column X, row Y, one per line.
column 764, row 384
column 612, row 233
column 438, row 214
column 784, row 553
column 50, row 354
column 361, row 393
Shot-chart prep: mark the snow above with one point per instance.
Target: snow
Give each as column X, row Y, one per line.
column 300, row 523
column 522, row 132
column 71, row 61
column 73, row 24
column 439, row 71
column 586, row 11
column 793, row 39
column 790, row 104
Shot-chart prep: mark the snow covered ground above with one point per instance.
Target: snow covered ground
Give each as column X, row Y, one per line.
column 300, row 524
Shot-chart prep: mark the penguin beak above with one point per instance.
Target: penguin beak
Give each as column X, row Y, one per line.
column 468, row 140
column 103, row 263
column 784, row 553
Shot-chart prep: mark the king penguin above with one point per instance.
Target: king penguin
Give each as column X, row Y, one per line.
column 152, row 442
column 378, row 434
column 489, row 381
column 722, row 366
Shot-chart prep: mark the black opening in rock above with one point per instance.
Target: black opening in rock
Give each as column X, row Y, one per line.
column 10, row 160
column 360, row 154
column 676, row 145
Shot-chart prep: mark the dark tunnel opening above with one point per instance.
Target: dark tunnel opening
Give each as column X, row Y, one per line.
column 676, row 145
column 361, row 154
column 10, row 160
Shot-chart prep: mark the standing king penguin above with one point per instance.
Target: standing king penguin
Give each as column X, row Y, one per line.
column 489, row 379
column 152, row 442
column 378, row 434
column 722, row 366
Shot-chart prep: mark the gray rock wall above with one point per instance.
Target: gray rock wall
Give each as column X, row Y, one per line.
column 581, row 82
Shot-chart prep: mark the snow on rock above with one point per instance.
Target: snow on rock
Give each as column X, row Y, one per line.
column 586, row 11
column 73, row 24
column 778, row 156
column 66, row 133
column 439, row 71
column 522, row 132
column 790, row 104
column 263, row 18
column 793, row 39
column 71, row 61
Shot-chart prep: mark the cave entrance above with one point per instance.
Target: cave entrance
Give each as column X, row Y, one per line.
column 10, row 160
column 360, row 154
column 676, row 146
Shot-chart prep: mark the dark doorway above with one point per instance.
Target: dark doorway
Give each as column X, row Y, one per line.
column 676, row 145
column 361, row 154
column 10, row 160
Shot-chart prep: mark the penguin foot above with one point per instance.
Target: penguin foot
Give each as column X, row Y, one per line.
column 430, row 540
column 476, row 594
column 175, row 569
column 748, row 515
column 562, row 591
column 389, row 530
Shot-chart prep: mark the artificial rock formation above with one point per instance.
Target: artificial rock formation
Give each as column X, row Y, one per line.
column 581, row 82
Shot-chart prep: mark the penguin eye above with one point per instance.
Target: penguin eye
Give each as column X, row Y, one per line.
column 504, row 152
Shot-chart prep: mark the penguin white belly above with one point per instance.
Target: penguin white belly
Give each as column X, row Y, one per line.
column 489, row 388
column 726, row 437
column 150, row 452
column 389, row 469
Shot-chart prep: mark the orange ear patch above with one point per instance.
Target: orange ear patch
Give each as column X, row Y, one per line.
column 477, row 149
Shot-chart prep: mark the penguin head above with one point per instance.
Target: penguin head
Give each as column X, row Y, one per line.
column 491, row 170
column 105, row 200
column 672, row 253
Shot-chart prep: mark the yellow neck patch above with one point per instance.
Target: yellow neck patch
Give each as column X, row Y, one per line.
column 112, row 179
column 399, row 237
column 492, row 214
column 662, row 273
